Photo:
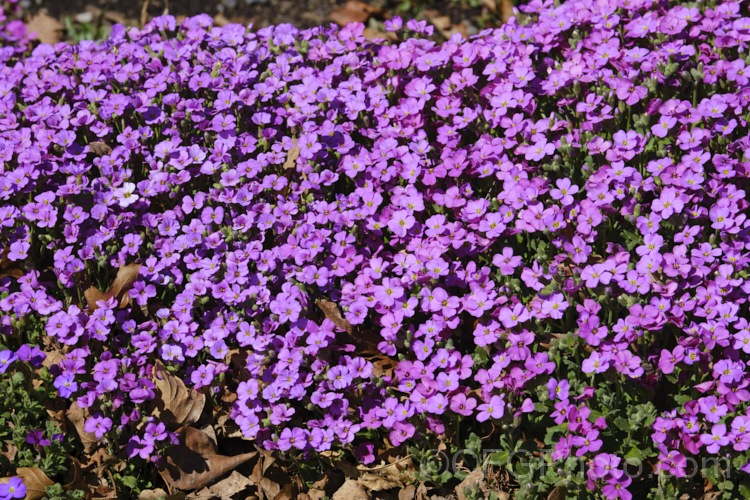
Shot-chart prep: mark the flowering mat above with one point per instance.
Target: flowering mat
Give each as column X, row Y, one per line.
column 298, row 264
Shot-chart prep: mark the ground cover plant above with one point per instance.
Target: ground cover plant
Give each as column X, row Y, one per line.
column 527, row 249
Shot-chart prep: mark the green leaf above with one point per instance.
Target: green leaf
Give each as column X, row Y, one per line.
column 551, row 431
column 500, row 458
column 130, row 482
column 681, row 399
column 712, row 474
column 445, row 477
column 636, row 453
column 744, row 491
column 622, row 424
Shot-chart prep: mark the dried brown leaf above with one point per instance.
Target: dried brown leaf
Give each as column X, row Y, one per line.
column 506, row 10
column 53, row 357
column 407, row 493
column 96, row 459
column 48, row 29
column 397, row 473
column 291, row 156
column 225, row 488
column 194, row 463
column 351, row 490
column 324, row 487
column 268, row 476
column 75, row 479
column 160, row 493
column 9, row 450
column 100, row 148
column 331, row 311
column 559, row 493
column 220, row 20
column 473, row 481
column 175, row 405
column 92, row 296
column 288, row 492
column 354, row 11
column 9, row 268
column 126, row 276
column 373, row 34
column 440, row 22
column 77, row 417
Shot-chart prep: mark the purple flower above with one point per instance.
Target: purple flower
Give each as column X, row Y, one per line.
column 14, row 488
column 98, row 425
column 36, row 437
column 494, row 409
column 65, row 385
column 558, row 390
column 7, row 358
column 716, row 439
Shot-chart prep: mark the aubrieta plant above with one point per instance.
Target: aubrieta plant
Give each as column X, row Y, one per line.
column 544, row 226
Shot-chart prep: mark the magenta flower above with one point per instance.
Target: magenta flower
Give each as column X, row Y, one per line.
column 716, row 439
column 494, row 409
column 98, row 425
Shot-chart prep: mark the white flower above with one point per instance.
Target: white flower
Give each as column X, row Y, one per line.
column 126, row 194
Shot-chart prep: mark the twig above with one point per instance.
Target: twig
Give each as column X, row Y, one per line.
column 144, row 13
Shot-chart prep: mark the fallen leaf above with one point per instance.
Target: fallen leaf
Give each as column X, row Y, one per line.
column 324, row 487
column 291, row 156
column 331, row 311
column 396, row 474
column 9, row 268
column 53, row 357
column 351, row 490
column 472, row 482
column 92, row 296
column 77, row 417
column 126, row 276
column 10, row 450
column 407, row 493
column 194, row 463
column 354, row 11
column 268, row 476
column 220, row 20
column 506, row 10
column 376, row 482
column 383, row 366
column 160, row 493
column 99, row 148
column 176, row 405
column 99, row 458
column 441, row 23
column 559, row 493
column 288, row 492
column 225, row 488
column 48, row 29
column 372, row 34
column 75, row 479
column 491, row 5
